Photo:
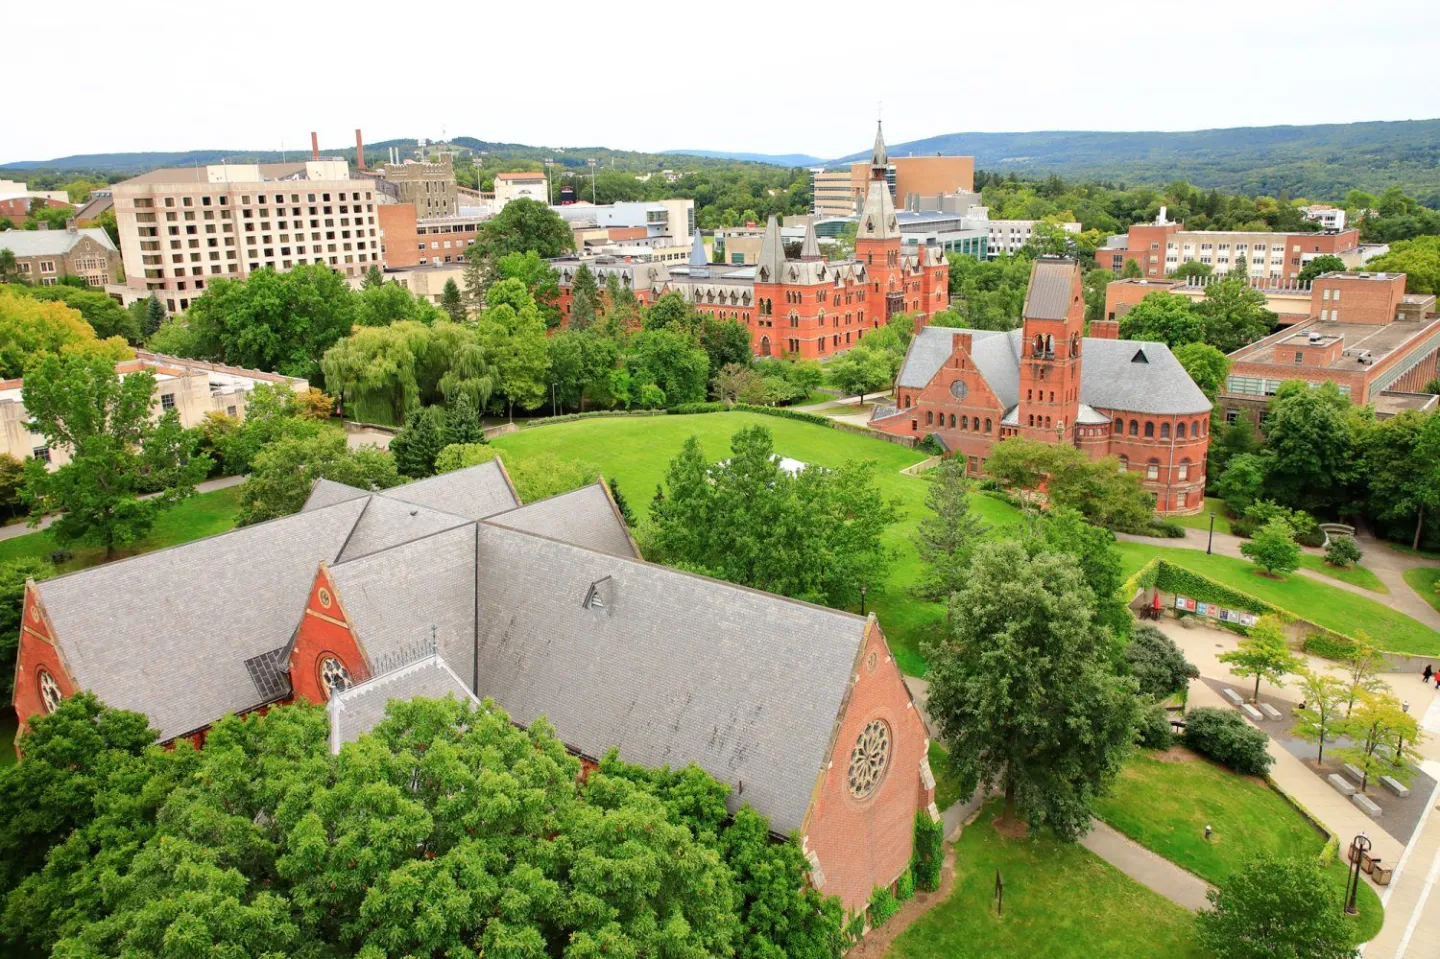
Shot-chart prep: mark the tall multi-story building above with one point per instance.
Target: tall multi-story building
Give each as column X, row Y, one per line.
column 43, row 256
column 408, row 240
column 513, row 186
column 832, row 192
column 841, row 191
column 428, row 186
column 1162, row 247
column 180, row 228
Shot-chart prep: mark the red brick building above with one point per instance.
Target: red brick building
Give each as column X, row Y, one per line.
column 808, row 307
column 448, row 586
column 1048, row 382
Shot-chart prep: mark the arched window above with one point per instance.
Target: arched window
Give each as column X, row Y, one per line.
column 764, row 346
column 1050, row 345
column 1149, row 430
column 1195, row 428
column 1152, row 469
column 1039, row 345
column 907, row 401
column 929, row 417
column 964, row 422
column 1047, row 422
column 1184, row 471
column 49, row 691
column 1134, row 427
column 1032, row 419
column 975, row 425
column 1124, row 462
column 1119, row 427
column 1164, row 431
column 334, row 677
column 987, row 424
column 952, row 421
column 1180, row 430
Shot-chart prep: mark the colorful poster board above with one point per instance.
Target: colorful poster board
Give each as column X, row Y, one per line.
column 1240, row 617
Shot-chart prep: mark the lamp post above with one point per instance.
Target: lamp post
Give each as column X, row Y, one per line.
column 591, row 164
column 549, row 191
column 1359, row 846
column 1210, row 544
column 863, row 589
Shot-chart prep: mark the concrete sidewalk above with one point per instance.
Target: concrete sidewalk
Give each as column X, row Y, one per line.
column 24, row 529
column 1154, row 871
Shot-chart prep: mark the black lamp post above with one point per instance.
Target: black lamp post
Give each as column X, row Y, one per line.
column 863, row 589
column 1211, row 542
column 1359, row 846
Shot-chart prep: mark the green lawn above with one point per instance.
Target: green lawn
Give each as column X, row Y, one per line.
column 1202, row 520
column 203, row 514
column 947, row 780
column 635, row 451
column 1165, row 807
column 1061, row 901
column 1344, row 612
column 1425, row 580
column 1354, row 575
column 815, row 396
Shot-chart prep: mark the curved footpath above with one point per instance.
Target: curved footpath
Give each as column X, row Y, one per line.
column 22, row 528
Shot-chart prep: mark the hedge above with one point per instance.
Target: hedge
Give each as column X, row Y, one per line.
column 928, row 853
column 883, row 905
column 905, row 885
column 1142, row 578
column 593, row 414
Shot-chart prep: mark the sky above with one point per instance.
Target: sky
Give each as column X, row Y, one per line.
column 774, row 77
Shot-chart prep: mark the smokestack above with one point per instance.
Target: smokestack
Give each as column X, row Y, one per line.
column 359, row 150
column 314, row 145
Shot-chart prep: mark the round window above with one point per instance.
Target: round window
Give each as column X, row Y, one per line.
column 333, row 675
column 324, row 597
column 959, row 390
column 49, row 692
column 869, row 760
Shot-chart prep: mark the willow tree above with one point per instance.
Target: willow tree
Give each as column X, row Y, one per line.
column 375, row 371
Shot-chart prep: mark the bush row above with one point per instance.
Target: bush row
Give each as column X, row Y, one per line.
column 593, row 414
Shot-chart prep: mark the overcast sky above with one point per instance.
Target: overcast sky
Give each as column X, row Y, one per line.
column 773, row 77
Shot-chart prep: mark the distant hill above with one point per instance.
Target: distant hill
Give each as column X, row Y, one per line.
column 774, row 159
column 1322, row 161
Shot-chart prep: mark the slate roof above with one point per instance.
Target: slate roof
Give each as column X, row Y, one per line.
column 586, row 517
column 672, row 668
column 1108, row 377
column 389, row 522
column 1051, row 284
column 358, row 709
column 50, row 242
column 327, row 493
column 474, row 493
column 169, row 633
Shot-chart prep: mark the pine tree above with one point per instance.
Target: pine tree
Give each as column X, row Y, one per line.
column 419, row 442
column 948, row 534
column 621, row 504
column 462, row 422
column 373, row 278
column 452, row 303
column 584, row 298
column 154, row 315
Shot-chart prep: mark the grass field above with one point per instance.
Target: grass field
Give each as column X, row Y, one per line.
column 1166, row 805
column 635, row 451
column 1061, row 901
column 203, row 514
column 1424, row 580
column 1336, row 609
column 1354, row 575
column 1202, row 520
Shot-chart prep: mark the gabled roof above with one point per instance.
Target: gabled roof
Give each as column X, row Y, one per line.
column 328, row 492
column 360, row 708
column 771, row 261
column 670, row 667
column 1051, row 283
column 169, row 633
column 586, row 517
column 474, row 493
column 389, row 522
column 50, row 242
column 877, row 217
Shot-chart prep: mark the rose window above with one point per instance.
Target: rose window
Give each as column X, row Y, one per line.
column 869, row 760
column 49, row 692
column 334, row 675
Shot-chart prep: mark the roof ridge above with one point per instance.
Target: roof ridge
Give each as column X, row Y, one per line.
column 385, row 549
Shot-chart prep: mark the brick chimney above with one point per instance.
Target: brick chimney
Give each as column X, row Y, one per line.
column 961, row 341
column 314, row 145
column 359, row 151
column 70, row 225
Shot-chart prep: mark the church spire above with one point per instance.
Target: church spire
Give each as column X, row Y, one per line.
column 879, row 160
column 810, row 248
column 771, row 262
column 699, row 262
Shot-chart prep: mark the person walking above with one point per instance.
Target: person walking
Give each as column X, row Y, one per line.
column 1429, row 672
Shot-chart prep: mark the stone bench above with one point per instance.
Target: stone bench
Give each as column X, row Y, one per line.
column 1353, row 773
column 1341, row 785
column 1252, row 712
column 1234, row 697
column 1395, row 786
column 1270, row 711
column 1364, row 802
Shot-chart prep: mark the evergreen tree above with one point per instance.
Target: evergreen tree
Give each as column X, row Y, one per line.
column 451, row 302
column 462, row 421
column 154, row 316
column 419, row 442
column 949, row 533
column 373, row 278
column 621, row 504
column 584, row 298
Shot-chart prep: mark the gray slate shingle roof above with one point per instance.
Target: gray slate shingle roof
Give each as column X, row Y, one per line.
column 49, row 242
column 358, row 709
column 474, row 493
column 673, row 668
column 328, row 492
column 1051, row 283
column 584, row 517
column 168, row 633
column 388, row 522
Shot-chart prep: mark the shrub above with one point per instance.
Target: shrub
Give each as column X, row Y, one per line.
column 1343, row 551
column 928, row 852
column 1226, row 738
column 1328, row 645
column 1166, row 528
column 883, row 905
column 1154, row 731
column 931, row 444
column 1156, row 662
column 905, row 885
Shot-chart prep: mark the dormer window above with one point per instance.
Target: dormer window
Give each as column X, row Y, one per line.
column 595, row 595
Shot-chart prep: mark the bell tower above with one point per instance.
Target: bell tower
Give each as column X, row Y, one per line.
column 877, row 240
column 1050, row 348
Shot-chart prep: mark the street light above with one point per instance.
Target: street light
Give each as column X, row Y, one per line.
column 591, row 164
column 1359, row 846
column 863, row 589
column 1210, row 544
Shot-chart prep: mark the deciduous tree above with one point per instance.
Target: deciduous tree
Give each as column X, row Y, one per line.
column 1163, row 318
column 1324, row 697
column 1273, row 548
column 283, row 473
column 1264, row 654
column 1273, row 906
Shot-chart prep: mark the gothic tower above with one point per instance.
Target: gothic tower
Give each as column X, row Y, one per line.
column 1050, row 350
column 877, row 240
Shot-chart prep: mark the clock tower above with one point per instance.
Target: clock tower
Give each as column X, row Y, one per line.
column 1050, row 348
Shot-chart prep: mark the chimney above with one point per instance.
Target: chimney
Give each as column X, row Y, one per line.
column 70, row 224
column 314, row 145
column 961, row 341
column 359, row 151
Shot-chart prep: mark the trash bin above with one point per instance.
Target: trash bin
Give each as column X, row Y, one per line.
column 1381, row 874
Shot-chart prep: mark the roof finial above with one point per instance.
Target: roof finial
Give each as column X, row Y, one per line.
column 434, row 642
column 878, row 158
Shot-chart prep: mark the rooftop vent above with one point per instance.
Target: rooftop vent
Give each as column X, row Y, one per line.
column 595, row 597
column 1140, row 356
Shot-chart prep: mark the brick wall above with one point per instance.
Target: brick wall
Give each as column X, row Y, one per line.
column 397, row 228
column 37, row 653
column 324, row 631
column 1358, row 299
column 864, row 843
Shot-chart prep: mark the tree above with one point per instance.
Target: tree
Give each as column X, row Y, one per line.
column 674, row 313
column 538, row 277
column 154, row 315
column 451, row 302
column 417, row 444
column 536, row 477
column 1159, row 667
column 1418, row 259
column 670, row 361
column 462, row 421
column 373, row 278
column 1363, row 665
column 1342, row 551
column 283, row 322
column 1273, row 548
column 106, row 317
column 1310, row 438
column 949, row 533
column 1243, row 481
column 861, row 370
column 1326, row 263
column 725, row 342
column 9, row 269
column 1131, row 270
column 117, row 451
column 622, row 505
column 31, row 327
column 283, row 473
column 1103, row 493
column 12, row 477
column 1023, row 690
column 1324, row 697
column 392, row 303
column 1264, row 654
column 512, row 334
column 1163, row 318
column 584, row 298
column 1207, row 366
column 1234, row 314
column 1382, row 738
column 1193, row 270
column 522, row 226
column 1273, row 906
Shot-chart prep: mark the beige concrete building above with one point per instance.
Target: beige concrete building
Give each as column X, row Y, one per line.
column 429, row 186
column 833, row 192
column 512, row 186
column 45, row 255
column 426, row 282
column 191, row 387
column 181, row 228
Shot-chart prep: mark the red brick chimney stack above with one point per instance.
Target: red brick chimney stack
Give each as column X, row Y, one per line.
column 314, row 145
column 359, row 151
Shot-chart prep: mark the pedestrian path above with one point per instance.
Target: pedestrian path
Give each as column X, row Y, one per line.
column 24, row 529
column 1154, row 871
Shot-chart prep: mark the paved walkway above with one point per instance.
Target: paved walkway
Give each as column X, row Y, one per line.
column 1180, row 886
column 23, row 529
column 1387, row 564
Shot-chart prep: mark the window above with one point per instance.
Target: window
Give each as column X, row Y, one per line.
column 1119, row 427
column 987, row 424
column 1152, row 470
column 334, row 677
column 167, row 401
column 1231, row 416
column 1134, row 427
column 1149, row 431
column 41, row 453
column 869, row 760
column 1299, row 356
column 1179, row 431
column 1184, row 471
column 49, row 691
column 1164, row 431
column 929, row 418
